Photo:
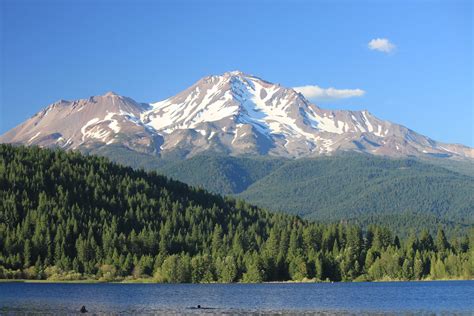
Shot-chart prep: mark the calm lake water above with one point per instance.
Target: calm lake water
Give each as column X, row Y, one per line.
column 324, row 298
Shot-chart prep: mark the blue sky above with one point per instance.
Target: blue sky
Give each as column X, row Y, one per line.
column 150, row 50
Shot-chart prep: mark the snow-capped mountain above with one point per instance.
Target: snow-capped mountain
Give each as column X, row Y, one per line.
column 96, row 121
column 234, row 113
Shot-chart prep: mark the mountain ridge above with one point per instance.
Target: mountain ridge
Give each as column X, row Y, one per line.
column 233, row 113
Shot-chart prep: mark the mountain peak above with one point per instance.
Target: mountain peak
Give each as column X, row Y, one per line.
column 234, row 73
column 245, row 114
column 225, row 77
column 111, row 94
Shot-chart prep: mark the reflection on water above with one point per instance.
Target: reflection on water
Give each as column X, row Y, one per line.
column 236, row 299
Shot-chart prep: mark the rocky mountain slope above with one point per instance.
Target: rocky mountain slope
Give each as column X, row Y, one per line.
column 99, row 120
column 233, row 113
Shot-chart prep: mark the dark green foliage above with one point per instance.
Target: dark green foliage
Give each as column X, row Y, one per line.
column 221, row 174
column 460, row 166
column 216, row 173
column 128, row 157
column 66, row 216
column 367, row 189
column 360, row 189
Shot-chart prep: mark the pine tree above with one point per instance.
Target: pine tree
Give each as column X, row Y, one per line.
column 441, row 243
column 27, row 254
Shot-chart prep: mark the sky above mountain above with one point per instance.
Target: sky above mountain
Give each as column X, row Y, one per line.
column 405, row 61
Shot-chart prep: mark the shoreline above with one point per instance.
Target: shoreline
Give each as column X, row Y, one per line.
column 147, row 281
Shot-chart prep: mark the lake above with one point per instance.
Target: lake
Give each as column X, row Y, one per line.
column 287, row 298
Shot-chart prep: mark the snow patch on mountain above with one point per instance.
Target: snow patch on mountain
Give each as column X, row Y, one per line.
column 84, row 131
column 34, row 136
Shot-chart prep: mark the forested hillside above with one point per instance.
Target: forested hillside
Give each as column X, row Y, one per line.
column 217, row 173
column 341, row 187
column 362, row 189
column 222, row 174
column 65, row 216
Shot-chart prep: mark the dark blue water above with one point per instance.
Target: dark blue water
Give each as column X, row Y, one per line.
column 312, row 298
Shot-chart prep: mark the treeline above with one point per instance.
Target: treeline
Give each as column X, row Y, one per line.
column 64, row 216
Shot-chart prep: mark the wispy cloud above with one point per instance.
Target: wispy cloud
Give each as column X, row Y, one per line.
column 382, row 45
column 314, row 92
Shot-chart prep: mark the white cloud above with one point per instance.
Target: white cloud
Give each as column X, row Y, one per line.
column 382, row 45
column 316, row 92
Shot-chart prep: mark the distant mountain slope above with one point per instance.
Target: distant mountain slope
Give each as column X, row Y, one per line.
column 464, row 166
column 221, row 174
column 216, row 173
column 233, row 113
column 344, row 187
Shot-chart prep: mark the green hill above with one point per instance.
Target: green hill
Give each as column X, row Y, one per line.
column 363, row 189
column 64, row 216
column 216, row 173
column 344, row 187
column 221, row 174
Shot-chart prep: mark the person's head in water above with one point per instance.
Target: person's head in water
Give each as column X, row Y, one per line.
column 83, row 309
column 199, row 306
